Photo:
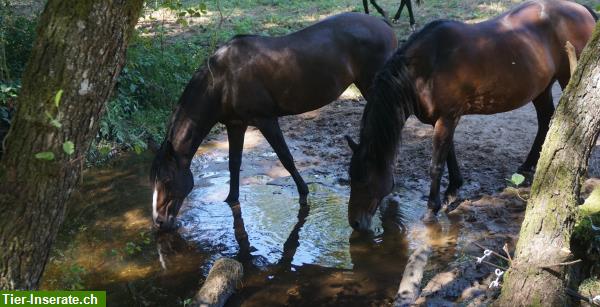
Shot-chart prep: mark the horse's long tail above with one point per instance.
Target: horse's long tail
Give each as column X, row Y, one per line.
column 591, row 12
column 390, row 100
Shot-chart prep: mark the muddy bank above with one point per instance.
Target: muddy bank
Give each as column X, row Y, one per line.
column 293, row 256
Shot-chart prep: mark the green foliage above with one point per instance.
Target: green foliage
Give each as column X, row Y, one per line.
column 73, row 278
column 132, row 248
column 590, row 286
column 147, row 91
column 57, row 98
column 8, row 96
column 586, row 234
column 45, row 155
column 187, row 302
column 19, row 37
column 68, row 147
column 516, row 179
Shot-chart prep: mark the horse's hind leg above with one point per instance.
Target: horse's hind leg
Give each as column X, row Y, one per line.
column 366, row 6
column 410, row 14
column 454, row 176
column 544, row 109
column 271, row 131
column 397, row 16
column 379, row 9
column 235, row 135
column 443, row 133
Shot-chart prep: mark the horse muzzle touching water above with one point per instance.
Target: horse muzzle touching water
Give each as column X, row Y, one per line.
column 253, row 80
column 450, row 69
column 172, row 183
column 370, row 182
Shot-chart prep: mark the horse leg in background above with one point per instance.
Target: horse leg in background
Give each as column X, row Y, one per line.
column 272, row 132
column 408, row 4
column 410, row 15
column 379, row 9
column 397, row 16
column 443, row 132
column 455, row 179
column 544, row 109
column 235, row 135
column 366, row 6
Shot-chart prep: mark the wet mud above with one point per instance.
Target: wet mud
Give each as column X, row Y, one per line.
column 296, row 255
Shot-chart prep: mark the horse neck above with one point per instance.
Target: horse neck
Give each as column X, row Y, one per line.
column 391, row 100
column 193, row 119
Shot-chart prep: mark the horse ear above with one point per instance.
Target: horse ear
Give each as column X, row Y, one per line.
column 351, row 143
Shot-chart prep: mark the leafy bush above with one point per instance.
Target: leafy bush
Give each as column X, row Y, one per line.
column 147, row 90
column 19, row 37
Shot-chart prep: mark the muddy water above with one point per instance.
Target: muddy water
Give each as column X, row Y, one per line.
column 291, row 255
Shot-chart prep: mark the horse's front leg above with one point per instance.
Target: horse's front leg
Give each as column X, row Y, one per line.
column 271, row 131
column 397, row 16
column 544, row 107
column 366, row 6
column 455, row 179
column 380, row 10
column 235, row 135
column 443, row 133
column 410, row 15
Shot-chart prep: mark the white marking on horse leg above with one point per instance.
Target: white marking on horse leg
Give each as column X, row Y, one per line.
column 154, row 201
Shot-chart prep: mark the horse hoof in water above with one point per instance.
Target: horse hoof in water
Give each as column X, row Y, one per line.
column 430, row 217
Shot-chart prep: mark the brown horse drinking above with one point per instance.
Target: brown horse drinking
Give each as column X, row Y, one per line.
column 450, row 69
column 252, row 80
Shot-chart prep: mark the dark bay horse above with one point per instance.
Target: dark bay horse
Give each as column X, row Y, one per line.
column 450, row 69
column 253, row 80
column 407, row 3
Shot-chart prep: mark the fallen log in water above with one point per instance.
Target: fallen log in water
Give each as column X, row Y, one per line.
column 411, row 279
column 221, row 282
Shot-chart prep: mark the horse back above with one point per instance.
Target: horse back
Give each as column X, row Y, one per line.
column 497, row 65
column 304, row 70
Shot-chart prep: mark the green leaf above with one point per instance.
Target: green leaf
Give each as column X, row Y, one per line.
column 517, row 179
column 45, row 155
column 104, row 150
column 138, row 149
column 57, row 98
column 68, row 147
column 55, row 123
column 203, row 8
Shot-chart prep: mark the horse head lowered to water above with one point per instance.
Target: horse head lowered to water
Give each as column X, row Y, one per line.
column 253, row 80
column 450, row 69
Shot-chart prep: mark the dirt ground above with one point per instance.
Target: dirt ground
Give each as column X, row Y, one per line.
column 489, row 149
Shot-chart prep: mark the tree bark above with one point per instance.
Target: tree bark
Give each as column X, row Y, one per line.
column 79, row 50
column 410, row 285
column 551, row 211
column 222, row 280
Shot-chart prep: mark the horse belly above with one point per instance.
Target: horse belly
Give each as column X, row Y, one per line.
column 307, row 94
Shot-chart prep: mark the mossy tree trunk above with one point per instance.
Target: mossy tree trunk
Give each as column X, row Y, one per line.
column 551, row 209
column 79, row 50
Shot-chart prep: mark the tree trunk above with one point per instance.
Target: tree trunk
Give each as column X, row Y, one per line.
column 551, row 210
column 79, row 50
column 222, row 280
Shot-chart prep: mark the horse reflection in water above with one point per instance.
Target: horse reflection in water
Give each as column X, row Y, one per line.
column 378, row 262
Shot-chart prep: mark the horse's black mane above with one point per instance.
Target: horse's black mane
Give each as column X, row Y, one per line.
column 591, row 12
column 198, row 81
column 426, row 30
column 390, row 101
